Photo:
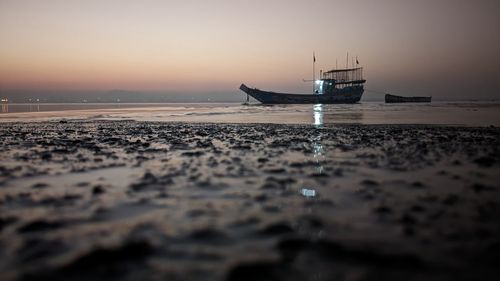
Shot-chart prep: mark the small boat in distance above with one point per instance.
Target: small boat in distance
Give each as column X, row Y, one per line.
column 335, row 86
column 398, row 99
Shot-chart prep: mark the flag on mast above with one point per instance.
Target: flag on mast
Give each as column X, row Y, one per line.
column 357, row 61
column 314, row 57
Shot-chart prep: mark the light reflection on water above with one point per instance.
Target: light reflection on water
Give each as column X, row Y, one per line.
column 306, row 192
column 29, row 107
column 318, row 148
column 317, row 145
column 56, row 107
column 318, row 114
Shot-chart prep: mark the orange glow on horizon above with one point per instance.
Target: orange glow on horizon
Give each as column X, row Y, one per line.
column 201, row 45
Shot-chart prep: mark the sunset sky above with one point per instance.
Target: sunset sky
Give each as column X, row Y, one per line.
column 444, row 48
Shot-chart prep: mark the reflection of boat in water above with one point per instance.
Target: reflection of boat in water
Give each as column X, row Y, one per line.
column 397, row 99
column 323, row 114
column 334, row 87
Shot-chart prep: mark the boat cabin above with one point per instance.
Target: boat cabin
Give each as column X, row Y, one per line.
column 337, row 79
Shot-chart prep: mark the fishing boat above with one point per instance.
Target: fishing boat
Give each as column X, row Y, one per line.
column 334, row 86
column 398, row 99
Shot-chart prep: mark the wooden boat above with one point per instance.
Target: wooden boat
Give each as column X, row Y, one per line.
column 397, row 99
column 335, row 86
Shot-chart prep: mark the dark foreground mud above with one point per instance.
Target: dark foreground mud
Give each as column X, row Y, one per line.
column 117, row 200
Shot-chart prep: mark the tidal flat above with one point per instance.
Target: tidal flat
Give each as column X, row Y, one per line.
column 130, row 200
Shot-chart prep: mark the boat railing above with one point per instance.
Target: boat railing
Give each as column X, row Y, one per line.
column 348, row 75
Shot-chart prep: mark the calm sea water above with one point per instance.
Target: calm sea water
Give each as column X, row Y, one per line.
column 439, row 113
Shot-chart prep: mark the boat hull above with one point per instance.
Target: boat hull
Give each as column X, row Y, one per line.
column 346, row 95
column 399, row 99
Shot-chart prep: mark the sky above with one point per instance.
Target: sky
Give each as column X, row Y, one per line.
column 445, row 48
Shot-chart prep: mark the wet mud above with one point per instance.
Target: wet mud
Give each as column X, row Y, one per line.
column 127, row 200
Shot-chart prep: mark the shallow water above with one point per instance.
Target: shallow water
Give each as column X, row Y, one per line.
column 436, row 113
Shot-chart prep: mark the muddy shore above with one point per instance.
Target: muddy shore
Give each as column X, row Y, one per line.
column 127, row 200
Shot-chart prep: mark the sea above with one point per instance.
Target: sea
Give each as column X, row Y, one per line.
column 459, row 113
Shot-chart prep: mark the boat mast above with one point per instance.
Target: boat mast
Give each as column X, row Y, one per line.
column 314, row 77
